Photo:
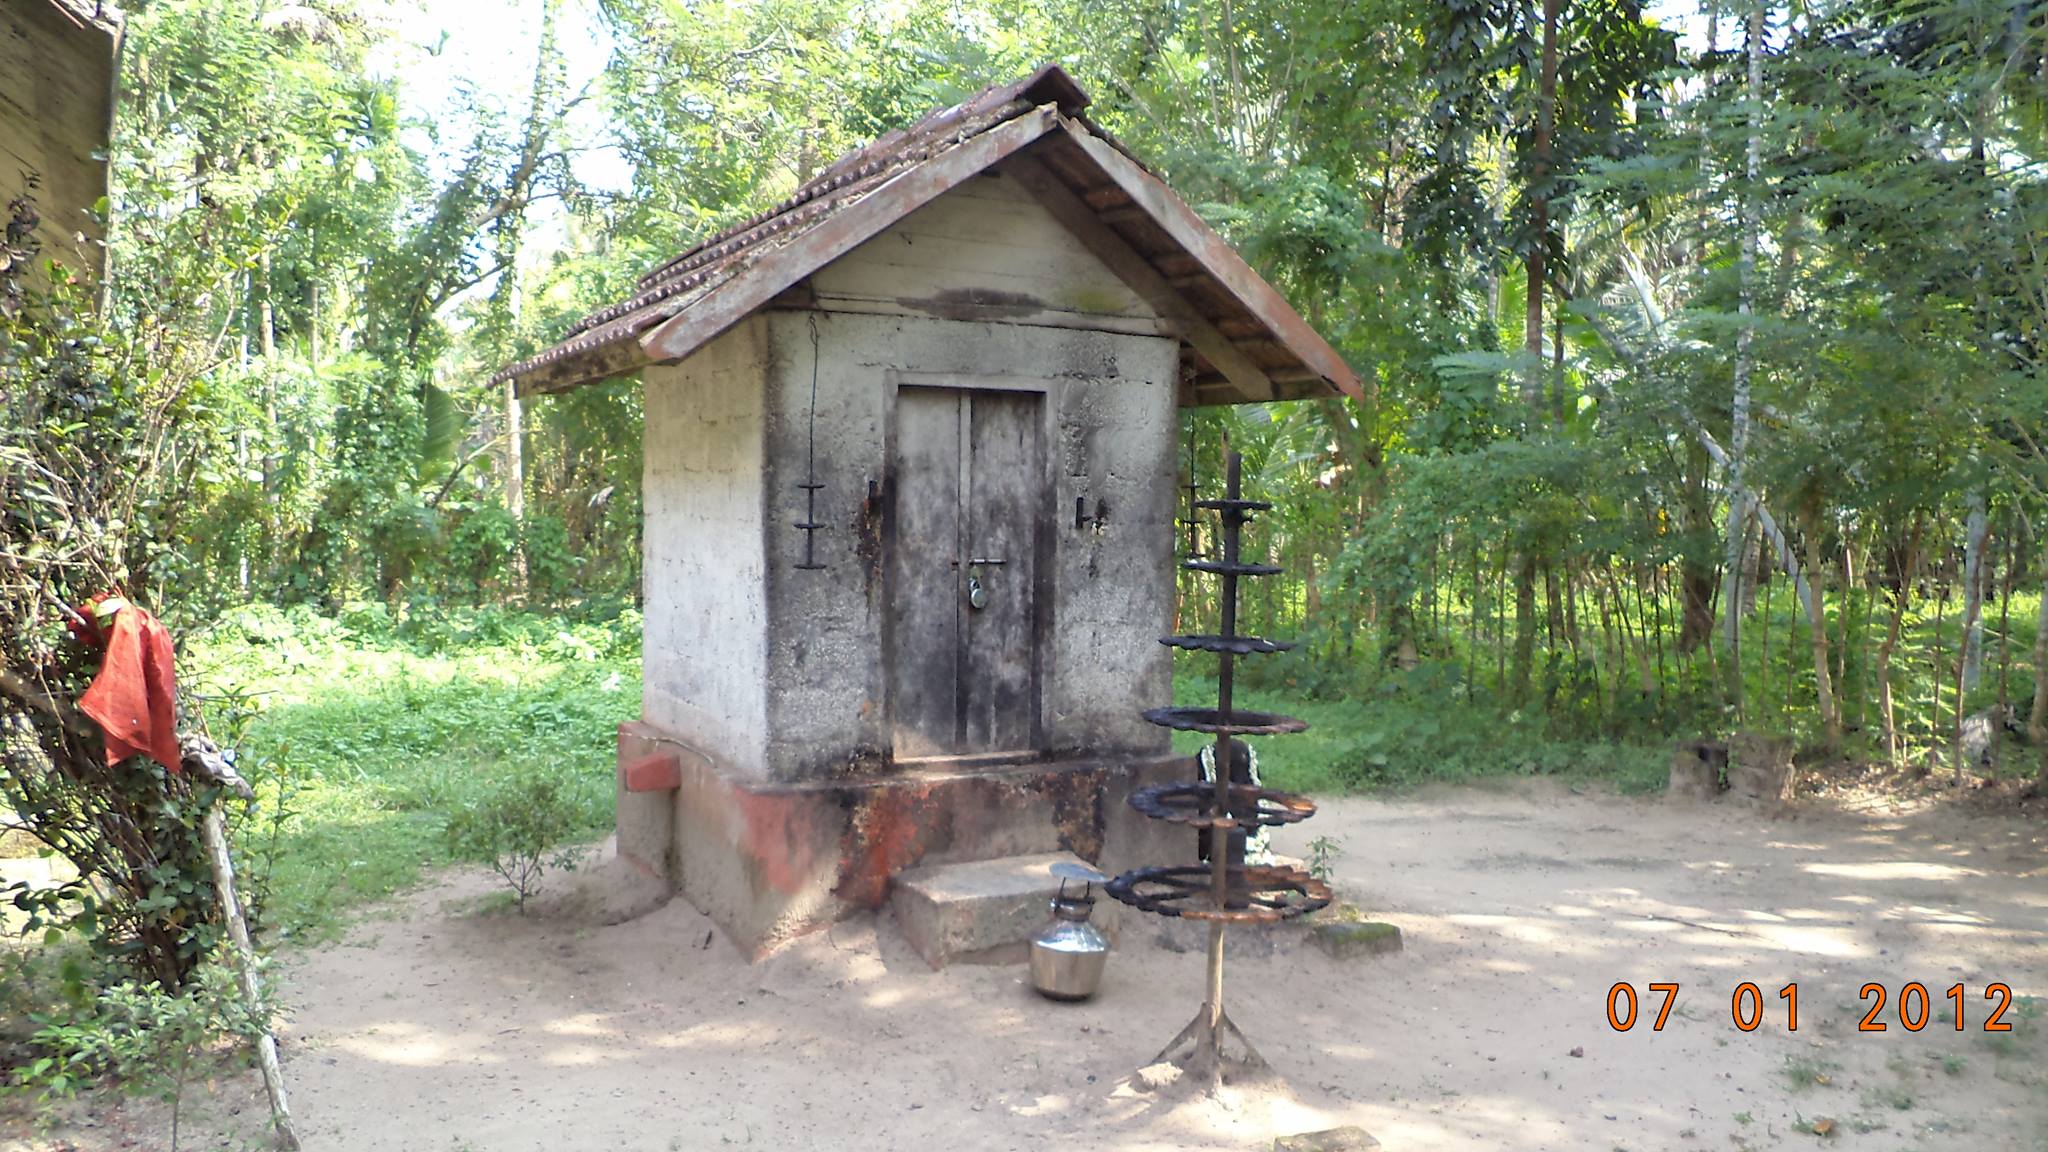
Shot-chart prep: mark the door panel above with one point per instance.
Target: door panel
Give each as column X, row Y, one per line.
column 1003, row 481
column 923, row 581
column 968, row 498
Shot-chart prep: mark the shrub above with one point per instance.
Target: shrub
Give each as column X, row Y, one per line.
column 100, row 434
column 551, row 562
column 135, row 1032
column 481, row 547
column 518, row 831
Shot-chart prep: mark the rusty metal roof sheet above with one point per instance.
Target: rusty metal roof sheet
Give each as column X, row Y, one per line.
column 1243, row 342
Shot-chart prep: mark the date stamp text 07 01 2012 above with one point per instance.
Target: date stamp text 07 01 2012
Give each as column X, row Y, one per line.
column 1912, row 1004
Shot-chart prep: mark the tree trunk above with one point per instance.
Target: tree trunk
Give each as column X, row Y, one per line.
column 541, row 122
column 1539, row 211
column 1659, row 584
column 515, row 454
column 1644, row 676
column 1525, row 629
column 1608, row 649
column 1696, row 594
column 1739, row 585
column 1976, row 530
column 266, row 317
column 1237, row 101
column 1884, row 674
column 1553, row 605
column 1571, row 611
column 2037, row 716
column 1906, row 569
column 1847, row 583
column 1817, row 624
column 1500, row 623
column 1532, row 336
column 2006, row 581
column 1944, row 578
column 1738, row 433
column 1472, row 631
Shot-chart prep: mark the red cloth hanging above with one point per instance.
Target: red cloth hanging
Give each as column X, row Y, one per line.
column 134, row 698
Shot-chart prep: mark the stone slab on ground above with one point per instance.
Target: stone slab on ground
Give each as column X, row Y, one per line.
column 1349, row 1138
column 982, row 911
column 1349, row 939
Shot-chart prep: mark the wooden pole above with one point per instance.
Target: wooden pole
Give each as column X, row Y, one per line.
column 215, row 834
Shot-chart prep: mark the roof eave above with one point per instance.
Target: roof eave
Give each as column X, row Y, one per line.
column 618, row 357
column 840, row 233
column 1307, row 365
column 1222, row 262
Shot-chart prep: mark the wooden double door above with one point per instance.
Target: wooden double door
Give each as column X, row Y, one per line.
column 970, row 501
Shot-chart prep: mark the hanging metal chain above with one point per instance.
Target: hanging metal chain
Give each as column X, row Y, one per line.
column 809, row 523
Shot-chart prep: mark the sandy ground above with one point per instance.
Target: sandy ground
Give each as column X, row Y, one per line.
column 434, row 1026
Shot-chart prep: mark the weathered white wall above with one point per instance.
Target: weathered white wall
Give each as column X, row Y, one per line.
column 1110, row 396
column 1114, row 449
column 778, row 672
column 56, row 109
column 705, row 659
column 986, row 250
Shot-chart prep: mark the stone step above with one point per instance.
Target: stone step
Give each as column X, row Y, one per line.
column 982, row 912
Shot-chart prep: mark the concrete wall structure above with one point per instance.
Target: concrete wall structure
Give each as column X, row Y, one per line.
column 1110, row 404
column 912, row 306
column 56, row 114
column 706, row 624
column 766, row 685
column 776, row 672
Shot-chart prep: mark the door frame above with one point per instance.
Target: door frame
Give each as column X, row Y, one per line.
column 1043, row 584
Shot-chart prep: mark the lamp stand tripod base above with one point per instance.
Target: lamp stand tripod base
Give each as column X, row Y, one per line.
column 1211, row 1050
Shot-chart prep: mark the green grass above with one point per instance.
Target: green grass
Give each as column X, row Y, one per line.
column 364, row 733
column 1396, row 740
column 364, row 736
column 1802, row 1073
column 1591, row 689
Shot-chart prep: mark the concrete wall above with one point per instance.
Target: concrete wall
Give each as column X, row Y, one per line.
column 778, row 673
column 796, row 813
column 1110, row 398
column 986, row 250
column 705, row 661
column 56, row 108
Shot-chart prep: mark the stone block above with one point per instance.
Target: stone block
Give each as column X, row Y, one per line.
column 769, row 860
column 1698, row 769
column 1350, row 939
column 1760, row 766
column 985, row 910
column 646, row 819
column 1349, row 1138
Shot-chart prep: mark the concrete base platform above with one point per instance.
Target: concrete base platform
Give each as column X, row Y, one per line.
column 980, row 912
column 768, row 860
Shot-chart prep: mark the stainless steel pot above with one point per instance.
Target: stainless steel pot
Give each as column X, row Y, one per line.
column 1067, row 955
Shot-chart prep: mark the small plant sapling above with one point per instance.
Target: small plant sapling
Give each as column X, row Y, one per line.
column 1322, row 856
column 517, row 830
